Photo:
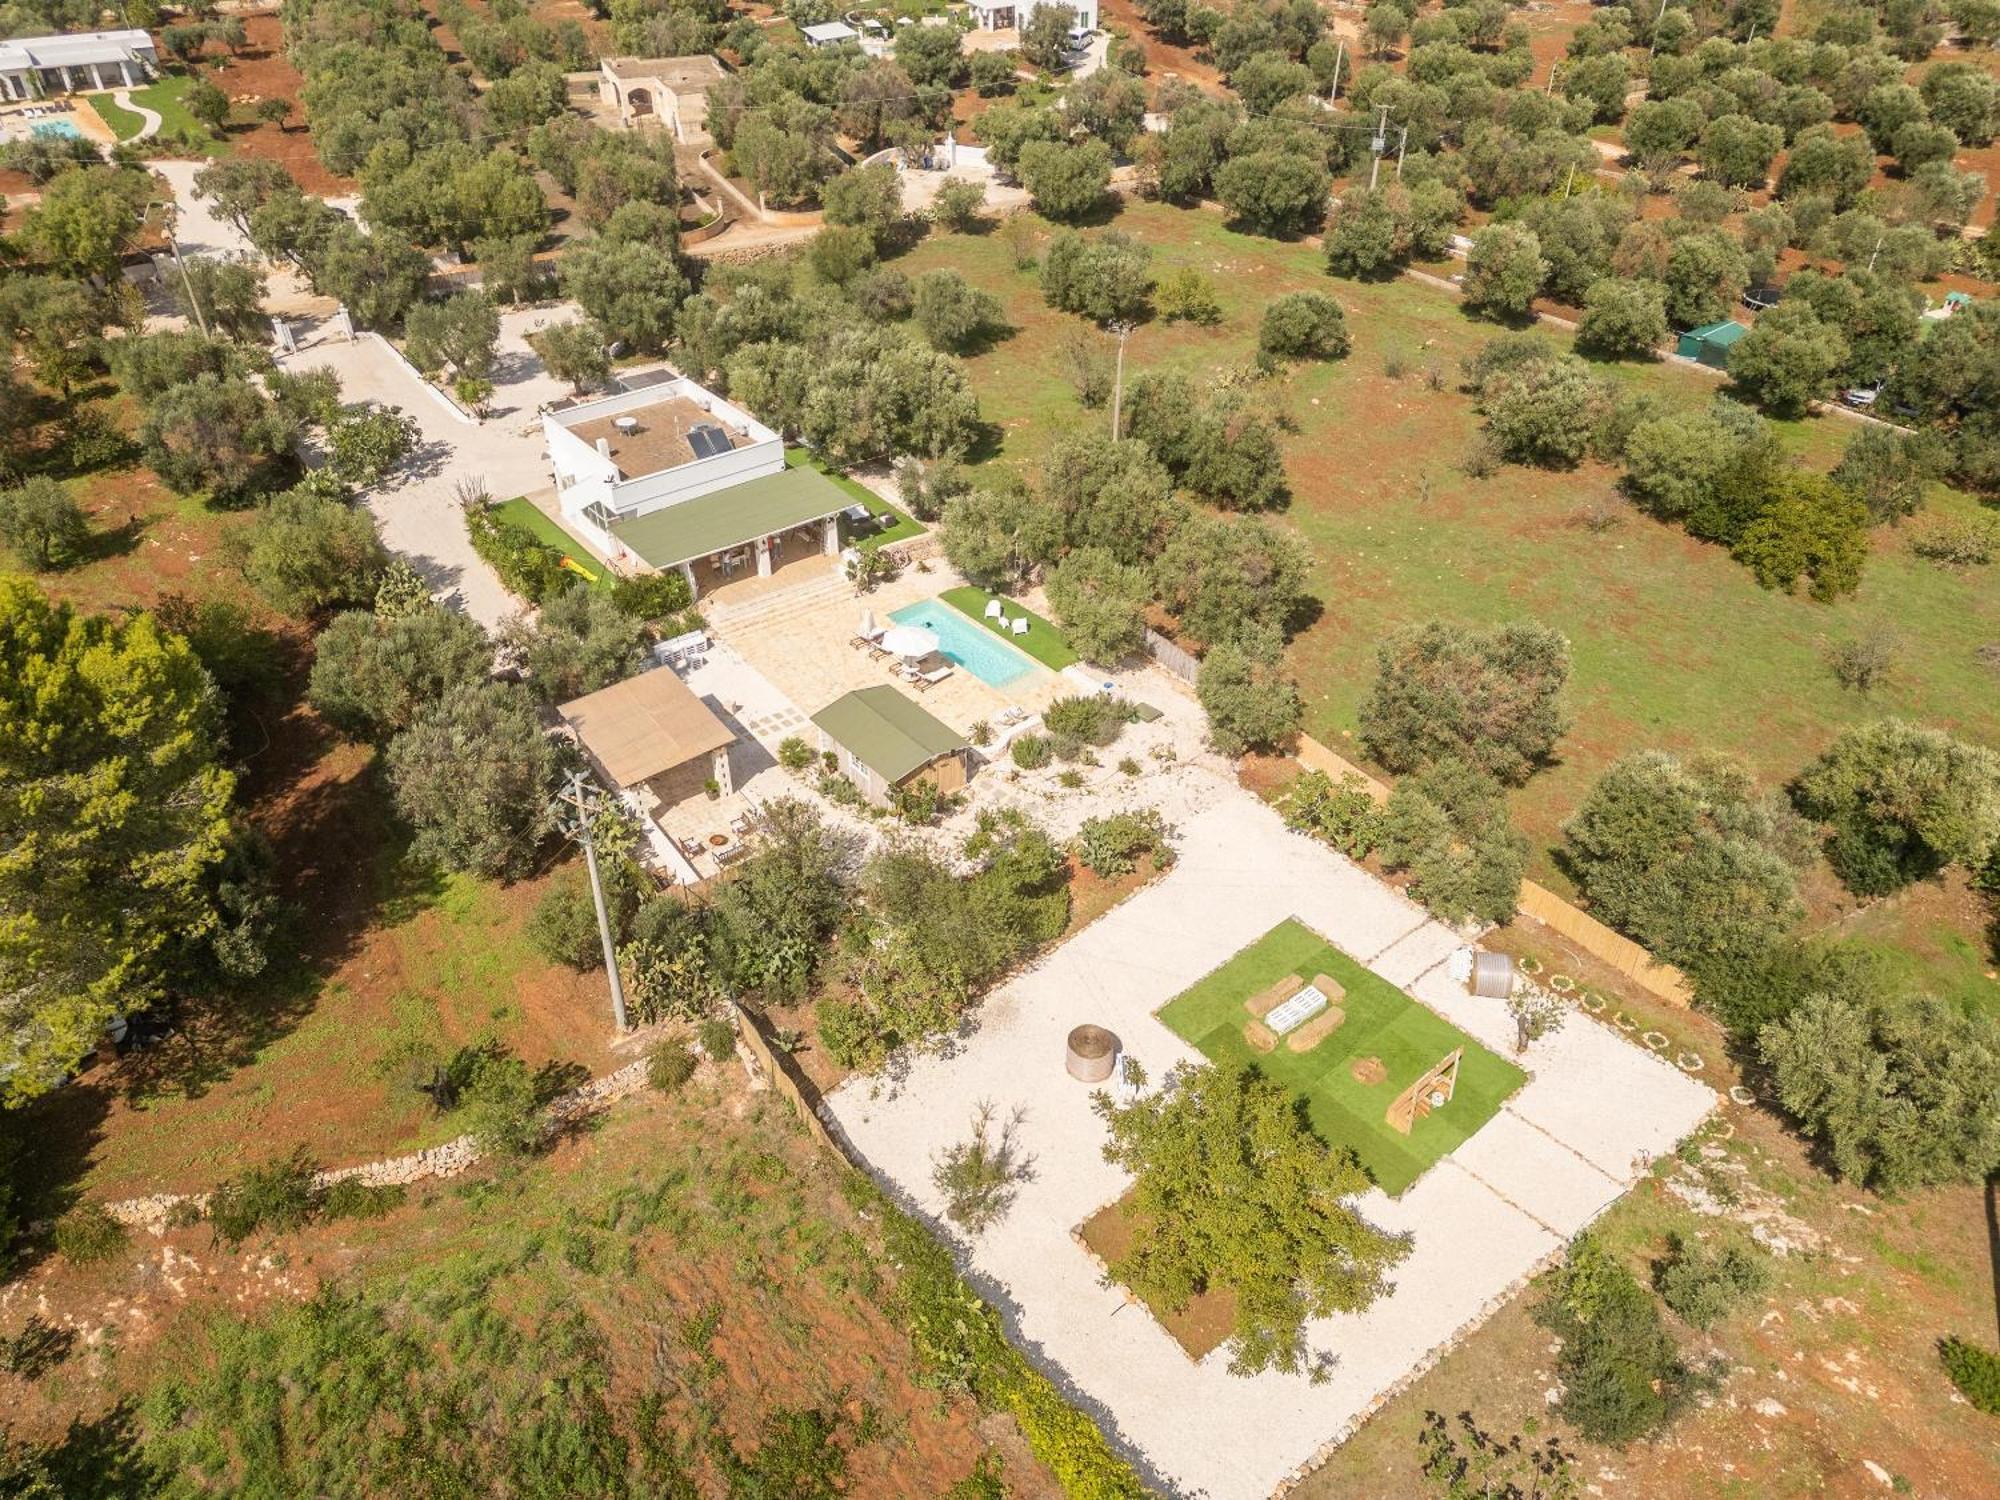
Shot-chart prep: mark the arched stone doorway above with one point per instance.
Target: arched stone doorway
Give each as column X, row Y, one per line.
column 638, row 102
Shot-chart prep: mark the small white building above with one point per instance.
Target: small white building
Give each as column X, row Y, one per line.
column 829, row 34
column 671, row 476
column 670, row 91
column 33, row 67
column 1002, row 15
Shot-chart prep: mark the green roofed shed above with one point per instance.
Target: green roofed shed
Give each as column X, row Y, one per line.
column 885, row 740
column 707, row 524
column 1710, row 344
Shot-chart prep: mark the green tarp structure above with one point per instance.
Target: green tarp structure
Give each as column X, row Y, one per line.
column 1710, row 344
column 886, row 732
column 727, row 518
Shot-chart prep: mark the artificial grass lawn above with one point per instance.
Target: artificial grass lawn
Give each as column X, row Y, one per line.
column 902, row 531
column 1674, row 644
column 522, row 512
column 1382, row 1022
column 1043, row 641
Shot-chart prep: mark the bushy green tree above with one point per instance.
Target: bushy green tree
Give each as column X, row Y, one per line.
column 1737, row 151
column 1542, row 411
column 1623, row 319
column 579, row 641
column 1902, row 801
column 1788, row 360
column 1104, row 278
column 1233, row 1192
column 219, row 434
column 1303, row 325
column 462, row 332
column 1251, row 701
column 42, row 524
column 781, row 904
column 306, row 553
column 951, row 311
column 1274, row 191
column 1067, row 181
column 372, row 675
column 1447, row 826
column 1504, row 271
column 630, row 289
column 575, row 353
column 1492, row 697
column 1898, row 1094
column 1622, row 1377
column 472, row 775
column 1689, row 858
column 1222, row 577
column 115, row 815
column 1101, row 603
column 1807, row 528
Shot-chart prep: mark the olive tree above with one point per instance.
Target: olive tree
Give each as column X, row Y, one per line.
column 472, row 776
column 1504, row 271
column 1492, row 697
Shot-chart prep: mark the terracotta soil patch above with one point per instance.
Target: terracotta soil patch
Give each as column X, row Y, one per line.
column 1201, row 1327
column 262, row 71
column 1163, row 60
column 1368, row 1070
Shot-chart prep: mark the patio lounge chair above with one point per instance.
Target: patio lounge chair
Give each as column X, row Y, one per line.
column 1020, row 625
column 925, row 681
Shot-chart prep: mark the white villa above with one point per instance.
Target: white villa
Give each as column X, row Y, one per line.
column 670, row 475
column 1000, row 15
column 33, row 67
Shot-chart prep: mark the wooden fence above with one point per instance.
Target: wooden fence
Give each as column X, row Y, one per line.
column 796, row 1090
column 1663, row 981
column 1176, row 659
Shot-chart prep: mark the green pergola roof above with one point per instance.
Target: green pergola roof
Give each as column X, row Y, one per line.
column 886, row 732
column 729, row 518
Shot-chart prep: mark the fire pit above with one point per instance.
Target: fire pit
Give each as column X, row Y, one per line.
column 1091, row 1054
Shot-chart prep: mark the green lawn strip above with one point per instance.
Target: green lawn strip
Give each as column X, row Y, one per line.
column 120, row 121
column 1043, row 641
column 1382, row 1022
column 524, row 513
column 905, row 527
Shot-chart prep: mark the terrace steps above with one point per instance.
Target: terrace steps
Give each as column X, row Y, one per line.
column 782, row 605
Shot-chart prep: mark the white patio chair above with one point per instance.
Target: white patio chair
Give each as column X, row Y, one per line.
column 994, row 611
column 1020, row 625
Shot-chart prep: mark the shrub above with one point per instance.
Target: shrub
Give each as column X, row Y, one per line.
column 652, row 596
column 717, row 1038
column 1345, row 816
column 1112, row 846
column 279, row 1196
column 1975, row 1371
column 1447, row 825
column 1492, row 697
column 351, row 1198
column 1090, row 719
column 669, row 1065
column 1303, row 325
column 502, row 1107
column 1703, row 1286
column 1187, row 296
column 563, row 926
column 88, row 1233
column 1903, row 802
column 1957, row 541
column 980, row 1175
column 1030, row 751
column 527, row 565
column 1622, row 1376
column 1251, row 703
column 794, row 754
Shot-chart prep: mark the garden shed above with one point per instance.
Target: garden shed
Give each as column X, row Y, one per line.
column 1710, row 344
column 885, row 742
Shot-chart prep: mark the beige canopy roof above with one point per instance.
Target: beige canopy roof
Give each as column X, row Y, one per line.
column 645, row 725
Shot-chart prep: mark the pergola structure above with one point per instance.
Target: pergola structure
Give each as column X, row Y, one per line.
column 650, row 735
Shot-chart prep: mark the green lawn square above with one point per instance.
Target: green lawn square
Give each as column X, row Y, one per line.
column 1381, row 1022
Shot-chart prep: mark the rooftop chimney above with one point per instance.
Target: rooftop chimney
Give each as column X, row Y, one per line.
column 604, row 447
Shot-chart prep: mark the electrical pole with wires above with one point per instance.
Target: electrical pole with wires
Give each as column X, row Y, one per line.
column 575, row 810
column 1124, row 331
column 1377, row 145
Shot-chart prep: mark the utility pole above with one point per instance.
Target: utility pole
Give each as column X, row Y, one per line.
column 1401, row 145
column 1654, row 45
column 574, row 813
column 194, row 302
column 1377, row 146
column 1124, row 331
column 1339, row 54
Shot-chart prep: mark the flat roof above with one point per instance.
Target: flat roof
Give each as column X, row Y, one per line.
column 660, row 439
column 676, row 73
column 73, row 49
column 887, row 731
column 728, row 518
column 645, row 725
column 828, row 31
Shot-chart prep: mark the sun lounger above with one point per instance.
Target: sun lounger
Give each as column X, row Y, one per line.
column 1020, row 625
column 924, row 681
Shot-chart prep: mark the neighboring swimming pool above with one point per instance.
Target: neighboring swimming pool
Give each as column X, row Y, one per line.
column 967, row 643
column 65, row 128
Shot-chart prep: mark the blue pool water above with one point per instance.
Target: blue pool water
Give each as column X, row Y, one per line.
column 58, row 127
column 971, row 646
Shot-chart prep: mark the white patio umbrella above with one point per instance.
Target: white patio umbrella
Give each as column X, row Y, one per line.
column 910, row 641
column 868, row 623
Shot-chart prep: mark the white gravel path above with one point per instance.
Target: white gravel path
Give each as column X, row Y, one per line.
column 1561, row 1151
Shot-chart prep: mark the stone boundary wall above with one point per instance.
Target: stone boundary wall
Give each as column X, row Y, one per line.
column 1662, row 981
column 448, row 1160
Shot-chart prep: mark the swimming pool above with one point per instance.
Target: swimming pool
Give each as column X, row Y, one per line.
column 58, row 127
column 967, row 643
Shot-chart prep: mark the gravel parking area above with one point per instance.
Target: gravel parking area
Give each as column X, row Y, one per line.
column 1481, row 1220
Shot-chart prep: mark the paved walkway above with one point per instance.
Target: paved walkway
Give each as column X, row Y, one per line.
column 1484, row 1218
column 123, row 99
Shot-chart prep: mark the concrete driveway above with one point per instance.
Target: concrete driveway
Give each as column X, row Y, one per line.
column 417, row 507
column 1483, row 1219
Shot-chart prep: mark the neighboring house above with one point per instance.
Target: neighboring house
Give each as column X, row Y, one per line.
column 999, row 15
column 886, row 742
column 32, row 67
column 1710, row 344
column 651, row 736
column 829, row 34
column 672, row 91
column 671, row 476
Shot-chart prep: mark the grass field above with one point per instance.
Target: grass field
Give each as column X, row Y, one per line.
column 524, row 513
column 1382, row 1022
column 164, row 99
column 905, row 527
column 1675, row 644
column 1043, row 641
